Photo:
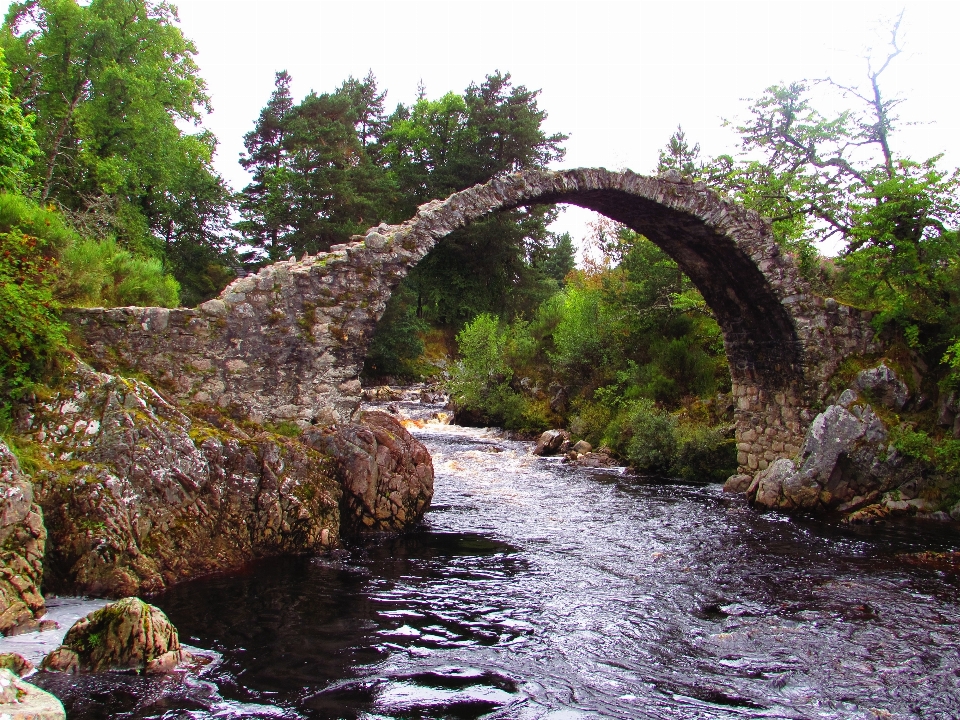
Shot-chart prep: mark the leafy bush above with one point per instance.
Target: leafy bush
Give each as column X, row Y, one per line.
column 704, row 453
column 577, row 338
column 645, row 436
column 87, row 272
column 480, row 381
column 45, row 224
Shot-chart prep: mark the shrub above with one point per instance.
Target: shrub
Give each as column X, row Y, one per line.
column 645, row 436
column 704, row 454
column 100, row 273
column 480, row 380
column 47, row 225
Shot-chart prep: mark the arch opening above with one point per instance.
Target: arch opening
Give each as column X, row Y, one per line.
column 726, row 251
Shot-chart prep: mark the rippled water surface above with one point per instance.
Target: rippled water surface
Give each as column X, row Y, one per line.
column 537, row 590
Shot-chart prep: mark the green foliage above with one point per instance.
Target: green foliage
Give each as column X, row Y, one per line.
column 680, row 157
column 398, row 345
column 555, row 259
column 17, row 144
column 31, row 333
column 627, row 344
column 17, row 212
column 480, row 379
column 99, row 273
column 43, row 264
column 285, row 428
column 645, row 436
column 316, row 175
column 110, row 84
column 704, row 453
column 85, row 271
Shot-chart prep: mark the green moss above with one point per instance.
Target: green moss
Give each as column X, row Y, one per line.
column 306, row 320
column 285, row 428
column 31, row 455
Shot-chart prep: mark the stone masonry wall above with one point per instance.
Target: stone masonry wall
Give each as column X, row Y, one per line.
column 288, row 343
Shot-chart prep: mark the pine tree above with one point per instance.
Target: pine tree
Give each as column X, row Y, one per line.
column 265, row 204
column 679, row 156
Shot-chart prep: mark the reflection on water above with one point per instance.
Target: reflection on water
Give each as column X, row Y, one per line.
column 536, row 590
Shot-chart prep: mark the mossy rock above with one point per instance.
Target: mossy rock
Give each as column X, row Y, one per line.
column 126, row 635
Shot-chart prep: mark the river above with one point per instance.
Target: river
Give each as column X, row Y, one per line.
column 540, row 590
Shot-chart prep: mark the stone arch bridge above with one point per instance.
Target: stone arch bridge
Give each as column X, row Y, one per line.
column 288, row 343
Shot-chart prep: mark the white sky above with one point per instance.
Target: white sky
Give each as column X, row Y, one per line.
column 618, row 77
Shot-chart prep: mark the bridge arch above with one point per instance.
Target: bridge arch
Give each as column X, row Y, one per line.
column 288, row 343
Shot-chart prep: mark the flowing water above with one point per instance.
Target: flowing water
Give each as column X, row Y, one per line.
column 540, row 590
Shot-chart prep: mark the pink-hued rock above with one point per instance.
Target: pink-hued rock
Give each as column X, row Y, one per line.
column 22, row 538
column 126, row 635
column 386, row 474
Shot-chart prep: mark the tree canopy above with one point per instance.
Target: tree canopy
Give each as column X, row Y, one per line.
column 110, row 84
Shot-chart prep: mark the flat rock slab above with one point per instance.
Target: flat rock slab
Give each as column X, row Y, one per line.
column 20, row 700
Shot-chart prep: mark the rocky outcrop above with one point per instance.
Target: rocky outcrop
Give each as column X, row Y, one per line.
column 15, row 663
column 126, row 635
column 19, row 700
column 140, row 494
column 847, row 461
column 386, row 474
column 22, row 538
column 881, row 384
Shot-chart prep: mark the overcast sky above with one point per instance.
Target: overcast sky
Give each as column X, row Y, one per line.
column 617, row 77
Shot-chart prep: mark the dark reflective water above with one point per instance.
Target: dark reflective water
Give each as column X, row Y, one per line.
column 540, row 591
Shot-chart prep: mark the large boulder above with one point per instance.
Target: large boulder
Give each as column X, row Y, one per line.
column 141, row 494
column 846, row 462
column 126, row 635
column 386, row 473
column 550, row 441
column 22, row 538
column 19, row 700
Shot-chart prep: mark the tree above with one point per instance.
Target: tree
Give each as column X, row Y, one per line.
column 556, row 259
column 17, row 144
column 338, row 190
column 680, row 157
column 439, row 147
column 110, row 83
column 265, row 203
column 315, row 176
column 840, row 177
column 367, row 106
